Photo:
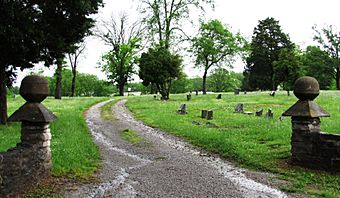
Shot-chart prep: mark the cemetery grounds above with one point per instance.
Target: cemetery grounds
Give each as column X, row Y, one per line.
column 252, row 142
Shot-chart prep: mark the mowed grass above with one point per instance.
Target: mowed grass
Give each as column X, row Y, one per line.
column 253, row 142
column 74, row 153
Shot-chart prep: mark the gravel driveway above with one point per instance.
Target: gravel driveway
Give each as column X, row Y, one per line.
column 161, row 166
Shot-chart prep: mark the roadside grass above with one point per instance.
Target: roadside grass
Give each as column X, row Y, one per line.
column 74, row 153
column 254, row 142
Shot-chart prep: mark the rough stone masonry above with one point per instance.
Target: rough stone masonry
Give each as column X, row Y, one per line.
column 311, row 147
column 30, row 161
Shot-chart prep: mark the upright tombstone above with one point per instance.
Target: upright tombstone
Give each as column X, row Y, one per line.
column 272, row 93
column 269, row 114
column 310, row 147
column 259, row 113
column 237, row 91
column 204, row 113
column 182, row 109
column 219, row 96
column 239, row 108
column 188, row 97
column 30, row 161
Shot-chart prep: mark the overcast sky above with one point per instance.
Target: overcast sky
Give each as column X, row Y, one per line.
column 296, row 18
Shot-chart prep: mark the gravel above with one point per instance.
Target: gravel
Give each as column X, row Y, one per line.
column 163, row 166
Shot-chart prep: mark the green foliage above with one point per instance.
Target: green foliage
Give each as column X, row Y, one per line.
column 118, row 64
column 267, row 42
column 329, row 40
column 87, row 85
column 318, row 64
column 73, row 150
column 221, row 80
column 214, row 46
column 164, row 19
column 287, row 68
column 160, row 67
column 253, row 142
column 180, row 85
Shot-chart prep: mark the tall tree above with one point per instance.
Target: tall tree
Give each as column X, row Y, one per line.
column 21, row 40
column 164, row 18
column 329, row 40
column 160, row 67
column 287, row 68
column 33, row 31
column 318, row 64
column 68, row 22
column 73, row 59
column 215, row 45
column 222, row 80
column 124, row 40
column 267, row 41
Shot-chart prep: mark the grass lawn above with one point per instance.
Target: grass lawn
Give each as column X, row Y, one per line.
column 253, row 142
column 73, row 152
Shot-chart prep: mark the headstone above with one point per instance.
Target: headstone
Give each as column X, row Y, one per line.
column 237, row 91
column 245, row 92
column 239, row 108
column 155, row 97
column 182, row 109
column 196, row 92
column 209, row 115
column 269, row 114
column 188, row 97
column 211, row 125
column 219, row 96
column 204, row 113
column 259, row 113
column 272, row 93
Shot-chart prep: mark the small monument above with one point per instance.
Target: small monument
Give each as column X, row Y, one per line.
column 237, row 91
column 272, row 93
column 182, row 109
column 207, row 114
column 269, row 114
column 219, row 96
column 259, row 113
column 239, row 108
column 188, row 97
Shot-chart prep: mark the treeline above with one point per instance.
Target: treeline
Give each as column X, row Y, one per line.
column 86, row 85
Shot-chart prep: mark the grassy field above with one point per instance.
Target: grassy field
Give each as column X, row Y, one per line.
column 253, row 142
column 73, row 152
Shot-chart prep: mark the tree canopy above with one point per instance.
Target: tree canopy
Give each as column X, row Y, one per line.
column 329, row 40
column 267, row 41
column 214, row 46
column 164, row 18
column 160, row 67
column 33, row 31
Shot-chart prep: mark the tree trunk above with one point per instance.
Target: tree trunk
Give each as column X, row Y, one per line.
column 204, row 89
column 121, row 89
column 74, row 72
column 58, row 82
column 337, row 78
column 288, row 94
column 3, row 96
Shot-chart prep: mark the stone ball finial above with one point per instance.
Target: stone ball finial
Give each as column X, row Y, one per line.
column 34, row 88
column 306, row 88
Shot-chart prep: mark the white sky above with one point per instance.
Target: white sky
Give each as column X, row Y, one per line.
column 296, row 18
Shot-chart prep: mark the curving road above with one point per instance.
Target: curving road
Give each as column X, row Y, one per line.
column 161, row 166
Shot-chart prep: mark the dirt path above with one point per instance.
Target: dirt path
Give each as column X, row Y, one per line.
column 162, row 166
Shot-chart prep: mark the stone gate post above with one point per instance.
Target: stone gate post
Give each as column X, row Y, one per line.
column 311, row 147
column 30, row 161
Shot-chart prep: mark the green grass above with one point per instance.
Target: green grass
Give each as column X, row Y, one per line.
column 106, row 111
column 131, row 136
column 253, row 142
column 74, row 153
